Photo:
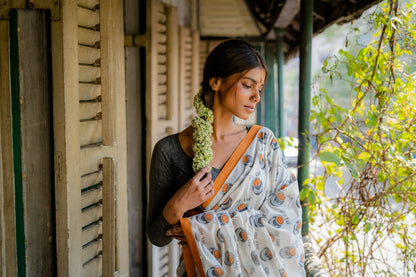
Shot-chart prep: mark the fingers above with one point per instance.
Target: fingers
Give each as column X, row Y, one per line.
column 202, row 172
column 209, row 187
column 210, row 193
column 207, row 180
column 176, row 230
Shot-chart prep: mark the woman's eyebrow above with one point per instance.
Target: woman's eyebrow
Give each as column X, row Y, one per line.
column 251, row 79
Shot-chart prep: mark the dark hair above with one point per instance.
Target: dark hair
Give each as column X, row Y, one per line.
column 229, row 57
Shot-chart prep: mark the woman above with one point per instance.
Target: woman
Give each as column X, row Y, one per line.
column 240, row 215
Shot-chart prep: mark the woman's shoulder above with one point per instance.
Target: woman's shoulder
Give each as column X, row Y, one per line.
column 264, row 130
column 164, row 145
column 173, row 145
column 166, row 141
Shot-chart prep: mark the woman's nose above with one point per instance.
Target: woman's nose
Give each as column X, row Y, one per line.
column 256, row 97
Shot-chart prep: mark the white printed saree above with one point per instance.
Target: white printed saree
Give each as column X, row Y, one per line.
column 251, row 227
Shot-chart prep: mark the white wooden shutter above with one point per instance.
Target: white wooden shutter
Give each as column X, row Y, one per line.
column 90, row 139
column 162, row 104
column 189, row 79
column 162, row 58
column 205, row 47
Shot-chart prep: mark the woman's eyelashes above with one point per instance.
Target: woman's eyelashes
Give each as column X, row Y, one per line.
column 249, row 86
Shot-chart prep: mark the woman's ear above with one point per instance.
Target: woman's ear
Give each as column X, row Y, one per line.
column 215, row 83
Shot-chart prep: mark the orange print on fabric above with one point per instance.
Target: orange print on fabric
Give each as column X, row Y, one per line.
column 208, row 217
column 245, row 159
column 224, row 188
column 219, row 271
column 217, row 254
column 242, row 206
column 256, row 182
column 230, row 259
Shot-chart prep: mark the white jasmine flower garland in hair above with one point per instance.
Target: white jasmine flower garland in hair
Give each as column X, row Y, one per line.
column 202, row 125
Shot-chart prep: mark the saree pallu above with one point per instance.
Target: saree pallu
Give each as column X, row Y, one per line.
column 251, row 226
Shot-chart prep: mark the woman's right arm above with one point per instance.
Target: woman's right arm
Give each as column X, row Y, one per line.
column 161, row 183
column 166, row 206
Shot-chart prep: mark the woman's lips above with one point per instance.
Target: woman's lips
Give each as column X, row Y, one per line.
column 249, row 108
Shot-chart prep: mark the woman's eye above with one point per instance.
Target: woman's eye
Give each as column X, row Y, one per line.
column 246, row 86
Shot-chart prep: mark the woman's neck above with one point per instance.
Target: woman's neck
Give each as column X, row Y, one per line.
column 223, row 125
column 226, row 130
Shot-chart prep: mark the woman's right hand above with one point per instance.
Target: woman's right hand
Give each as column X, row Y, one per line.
column 195, row 192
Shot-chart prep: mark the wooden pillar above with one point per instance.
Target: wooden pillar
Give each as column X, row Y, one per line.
column 16, row 146
column 305, row 52
column 261, row 107
column 280, row 93
column 269, row 96
column 32, row 142
column 8, row 262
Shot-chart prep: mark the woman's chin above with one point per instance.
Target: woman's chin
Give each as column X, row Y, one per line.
column 242, row 117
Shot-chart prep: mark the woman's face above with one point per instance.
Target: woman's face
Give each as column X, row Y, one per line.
column 240, row 96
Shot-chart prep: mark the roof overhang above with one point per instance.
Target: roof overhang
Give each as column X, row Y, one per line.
column 257, row 19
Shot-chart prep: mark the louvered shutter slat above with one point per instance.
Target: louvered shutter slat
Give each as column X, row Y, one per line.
column 89, row 110
column 88, row 18
column 91, row 233
column 91, row 133
column 92, row 268
column 89, row 91
column 88, row 55
column 90, row 4
column 89, row 74
column 88, row 37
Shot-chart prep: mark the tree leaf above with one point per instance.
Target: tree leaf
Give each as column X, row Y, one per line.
column 311, row 198
column 329, row 157
column 356, row 219
column 303, row 193
column 367, row 227
column 364, row 156
column 353, row 170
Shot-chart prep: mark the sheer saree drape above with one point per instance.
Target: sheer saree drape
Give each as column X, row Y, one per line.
column 251, row 227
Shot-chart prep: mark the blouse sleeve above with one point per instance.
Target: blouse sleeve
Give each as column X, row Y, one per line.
column 161, row 183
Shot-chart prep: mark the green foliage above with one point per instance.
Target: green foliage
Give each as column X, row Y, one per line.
column 368, row 148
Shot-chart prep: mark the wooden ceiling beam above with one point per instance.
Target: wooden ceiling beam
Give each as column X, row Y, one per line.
column 290, row 9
